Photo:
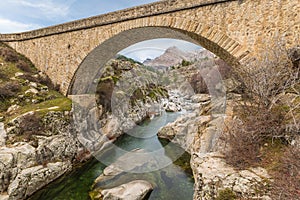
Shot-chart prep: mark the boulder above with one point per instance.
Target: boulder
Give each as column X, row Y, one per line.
column 213, row 175
column 33, row 85
column 32, row 90
column 17, row 74
column 199, row 98
column 172, row 107
column 32, row 179
column 13, row 108
column 4, row 197
column 134, row 190
column 2, row 134
column 184, row 130
column 24, row 155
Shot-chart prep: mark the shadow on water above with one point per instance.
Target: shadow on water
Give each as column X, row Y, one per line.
column 174, row 182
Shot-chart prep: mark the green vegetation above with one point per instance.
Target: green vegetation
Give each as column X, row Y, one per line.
column 124, row 68
column 24, row 89
column 124, row 58
column 185, row 63
column 226, row 194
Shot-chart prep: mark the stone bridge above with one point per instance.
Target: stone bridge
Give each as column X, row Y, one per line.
column 234, row 30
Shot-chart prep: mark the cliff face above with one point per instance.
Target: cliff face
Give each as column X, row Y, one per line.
column 37, row 142
column 40, row 136
column 173, row 56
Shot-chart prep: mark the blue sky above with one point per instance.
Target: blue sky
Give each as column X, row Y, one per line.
column 153, row 48
column 25, row 15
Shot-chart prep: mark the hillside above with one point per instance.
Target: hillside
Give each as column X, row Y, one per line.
column 23, row 88
column 174, row 56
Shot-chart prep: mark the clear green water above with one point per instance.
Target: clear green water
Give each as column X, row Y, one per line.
column 173, row 182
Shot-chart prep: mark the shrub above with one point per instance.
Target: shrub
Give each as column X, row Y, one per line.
column 9, row 90
column 44, row 80
column 31, row 124
column 3, row 76
column 269, row 74
column 185, row 63
column 261, row 120
column 226, row 194
column 286, row 183
column 8, row 54
column 24, row 66
column 247, row 134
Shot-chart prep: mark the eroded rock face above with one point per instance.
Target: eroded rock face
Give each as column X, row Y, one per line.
column 214, row 175
column 2, row 135
column 184, row 130
column 25, row 168
column 198, row 132
column 32, row 179
column 134, row 190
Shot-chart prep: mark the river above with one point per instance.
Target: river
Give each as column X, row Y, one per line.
column 172, row 182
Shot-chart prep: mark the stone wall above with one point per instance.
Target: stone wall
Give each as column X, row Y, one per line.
column 233, row 30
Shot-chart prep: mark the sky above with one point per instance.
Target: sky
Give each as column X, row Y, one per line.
column 153, row 48
column 25, row 15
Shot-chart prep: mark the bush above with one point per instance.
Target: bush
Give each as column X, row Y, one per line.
column 247, row 134
column 31, row 124
column 261, row 121
column 269, row 74
column 44, row 80
column 286, row 183
column 9, row 90
column 185, row 63
column 8, row 54
column 3, row 76
column 24, row 66
column 226, row 194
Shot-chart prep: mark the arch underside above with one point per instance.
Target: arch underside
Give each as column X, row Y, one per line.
column 221, row 45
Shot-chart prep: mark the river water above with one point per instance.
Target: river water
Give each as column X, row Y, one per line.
column 172, row 182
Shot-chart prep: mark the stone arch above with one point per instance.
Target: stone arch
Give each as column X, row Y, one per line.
column 128, row 33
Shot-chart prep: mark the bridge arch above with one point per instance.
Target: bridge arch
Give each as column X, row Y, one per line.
column 128, row 33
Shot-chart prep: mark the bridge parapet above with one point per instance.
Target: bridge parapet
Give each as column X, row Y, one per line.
column 147, row 10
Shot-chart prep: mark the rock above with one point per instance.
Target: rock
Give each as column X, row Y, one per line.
column 24, row 168
column 17, row 74
column 2, row 134
column 231, row 85
column 124, row 163
column 44, row 89
column 6, row 170
column 35, row 101
column 24, row 154
column 143, row 161
column 4, row 197
column 32, row 179
column 183, row 130
column 212, row 175
column 13, row 108
column 32, row 90
column 198, row 98
column 134, row 190
column 172, row 107
column 33, row 85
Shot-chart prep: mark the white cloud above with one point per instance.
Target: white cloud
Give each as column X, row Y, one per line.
column 153, row 48
column 47, row 8
column 8, row 26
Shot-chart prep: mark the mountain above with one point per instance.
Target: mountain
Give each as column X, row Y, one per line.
column 173, row 56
